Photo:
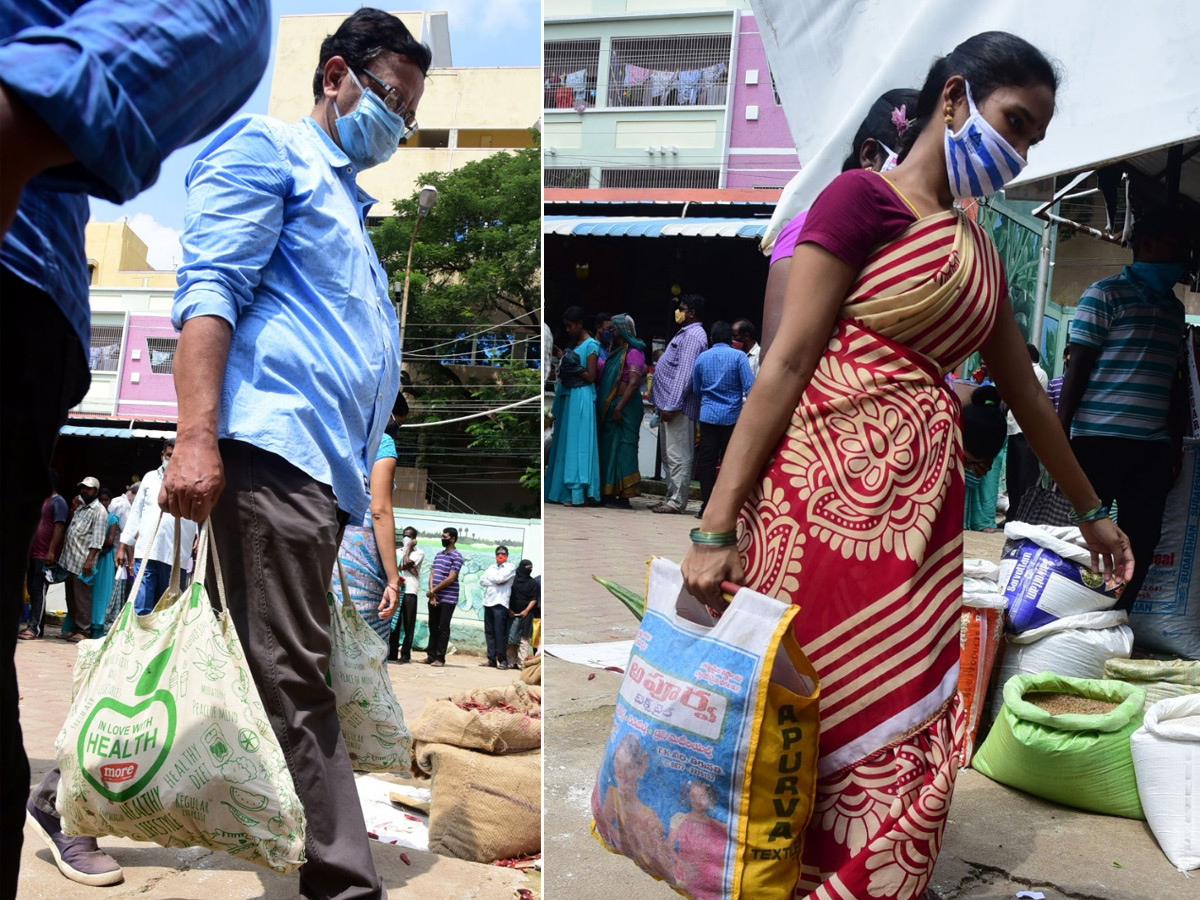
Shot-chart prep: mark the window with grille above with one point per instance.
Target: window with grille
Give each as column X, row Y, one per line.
column 679, row 70
column 427, row 137
column 663, row 177
column 106, row 348
column 162, row 354
column 569, row 69
column 564, row 177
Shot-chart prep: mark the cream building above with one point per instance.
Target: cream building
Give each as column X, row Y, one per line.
column 116, row 258
column 466, row 113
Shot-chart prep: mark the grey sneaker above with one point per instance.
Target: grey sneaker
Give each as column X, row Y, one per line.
column 76, row 857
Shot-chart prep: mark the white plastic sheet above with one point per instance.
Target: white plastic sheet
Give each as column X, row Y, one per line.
column 1129, row 80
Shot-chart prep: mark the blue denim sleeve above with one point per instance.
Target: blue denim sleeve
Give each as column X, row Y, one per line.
column 746, row 374
column 236, row 190
column 125, row 82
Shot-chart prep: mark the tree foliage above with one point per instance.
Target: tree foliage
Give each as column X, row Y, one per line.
column 479, row 251
column 476, row 261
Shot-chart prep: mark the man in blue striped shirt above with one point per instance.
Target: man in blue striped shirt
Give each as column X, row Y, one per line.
column 1116, row 400
column 721, row 378
column 93, row 96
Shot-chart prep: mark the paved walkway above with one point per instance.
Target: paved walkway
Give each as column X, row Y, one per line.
column 998, row 841
column 151, row 872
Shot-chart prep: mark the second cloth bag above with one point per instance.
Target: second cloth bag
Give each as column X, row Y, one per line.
column 370, row 715
column 709, row 773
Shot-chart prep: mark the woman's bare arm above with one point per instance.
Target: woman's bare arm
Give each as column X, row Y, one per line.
column 1008, row 362
column 817, row 285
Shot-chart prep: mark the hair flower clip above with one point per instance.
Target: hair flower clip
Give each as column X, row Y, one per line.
column 900, row 119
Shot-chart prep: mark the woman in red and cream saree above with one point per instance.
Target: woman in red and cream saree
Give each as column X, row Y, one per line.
column 844, row 484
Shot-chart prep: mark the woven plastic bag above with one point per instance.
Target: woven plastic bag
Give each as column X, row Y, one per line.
column 370, row 715
column 1073, row 759
column 1166, row 760
column 167, row 739
column 980, row 630
column 709, row 773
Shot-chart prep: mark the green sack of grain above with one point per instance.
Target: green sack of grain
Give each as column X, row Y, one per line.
column 1067, row 740
column 1159, row 678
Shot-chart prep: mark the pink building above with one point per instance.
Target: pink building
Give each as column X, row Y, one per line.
column 147, row 386
column 760, row 152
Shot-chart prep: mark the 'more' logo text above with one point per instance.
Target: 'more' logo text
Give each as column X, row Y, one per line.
column 116, row 774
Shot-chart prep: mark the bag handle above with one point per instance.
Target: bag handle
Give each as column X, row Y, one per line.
column 342, row 577
column 207, row 540
column 175, row 567
column 667, row 595
column 137, row 582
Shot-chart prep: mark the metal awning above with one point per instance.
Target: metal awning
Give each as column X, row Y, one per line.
column 96, row 431
column 638, row 226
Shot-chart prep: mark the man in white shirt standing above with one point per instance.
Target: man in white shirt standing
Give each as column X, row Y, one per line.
column 141, row 545
column 410, row 573
column 497, row 584
column 122, row 503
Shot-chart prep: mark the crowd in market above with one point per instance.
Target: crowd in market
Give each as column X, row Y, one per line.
column 696, row 386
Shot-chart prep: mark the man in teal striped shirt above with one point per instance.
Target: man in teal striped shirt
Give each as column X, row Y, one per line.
column 1117, row 396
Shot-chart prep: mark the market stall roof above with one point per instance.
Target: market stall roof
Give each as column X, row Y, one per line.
column 640, row 226
column 105, row 431
column 1130, row 85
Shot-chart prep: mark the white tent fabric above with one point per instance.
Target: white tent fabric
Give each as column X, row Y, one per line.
column 1131, row 73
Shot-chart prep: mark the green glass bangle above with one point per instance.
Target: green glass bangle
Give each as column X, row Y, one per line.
column 1092, row 515
column 714, row 538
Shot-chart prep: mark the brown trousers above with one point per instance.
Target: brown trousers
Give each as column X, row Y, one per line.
column 277, row 532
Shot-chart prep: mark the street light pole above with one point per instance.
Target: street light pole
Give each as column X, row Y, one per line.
column 425, row 202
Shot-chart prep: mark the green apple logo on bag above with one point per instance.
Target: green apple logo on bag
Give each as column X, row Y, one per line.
column 122, row 747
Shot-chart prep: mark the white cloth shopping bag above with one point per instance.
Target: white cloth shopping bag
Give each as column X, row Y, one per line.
column 167, row 739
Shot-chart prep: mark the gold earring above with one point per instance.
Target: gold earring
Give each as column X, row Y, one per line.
column 948, row 113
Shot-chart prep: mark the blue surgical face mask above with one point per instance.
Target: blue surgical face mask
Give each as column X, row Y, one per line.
column 978, row 160
column 371, row 132
column 1160, row 276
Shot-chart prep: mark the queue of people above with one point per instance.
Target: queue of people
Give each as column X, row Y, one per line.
column 699, row 383
column 597, row 413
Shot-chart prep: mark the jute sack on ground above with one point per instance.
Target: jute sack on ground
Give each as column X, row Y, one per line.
column 531, row 670
column 484, row 807
column 494, row 720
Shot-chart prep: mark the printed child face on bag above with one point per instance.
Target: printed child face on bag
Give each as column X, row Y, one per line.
column 700, row 728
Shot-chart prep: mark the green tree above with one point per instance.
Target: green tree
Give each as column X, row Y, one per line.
column 476, row 264
column 479, row 252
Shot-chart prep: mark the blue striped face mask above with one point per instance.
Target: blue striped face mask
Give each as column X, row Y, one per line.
column 978, row 160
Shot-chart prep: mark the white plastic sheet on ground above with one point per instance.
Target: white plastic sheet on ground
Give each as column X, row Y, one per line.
column 1129, row 83
column 604, row 655
column 388, row 823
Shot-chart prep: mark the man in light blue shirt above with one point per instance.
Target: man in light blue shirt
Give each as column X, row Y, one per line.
column 287, row 366
column 721, row 377
column 93, row 96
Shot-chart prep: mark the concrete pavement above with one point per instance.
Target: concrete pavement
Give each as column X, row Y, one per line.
column 151, row 872
column 998, row 841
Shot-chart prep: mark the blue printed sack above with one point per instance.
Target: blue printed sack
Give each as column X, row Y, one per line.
column 1046, row 574
column 709, row 773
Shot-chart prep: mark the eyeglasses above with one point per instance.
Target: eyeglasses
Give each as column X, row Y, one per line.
column 395, row 102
